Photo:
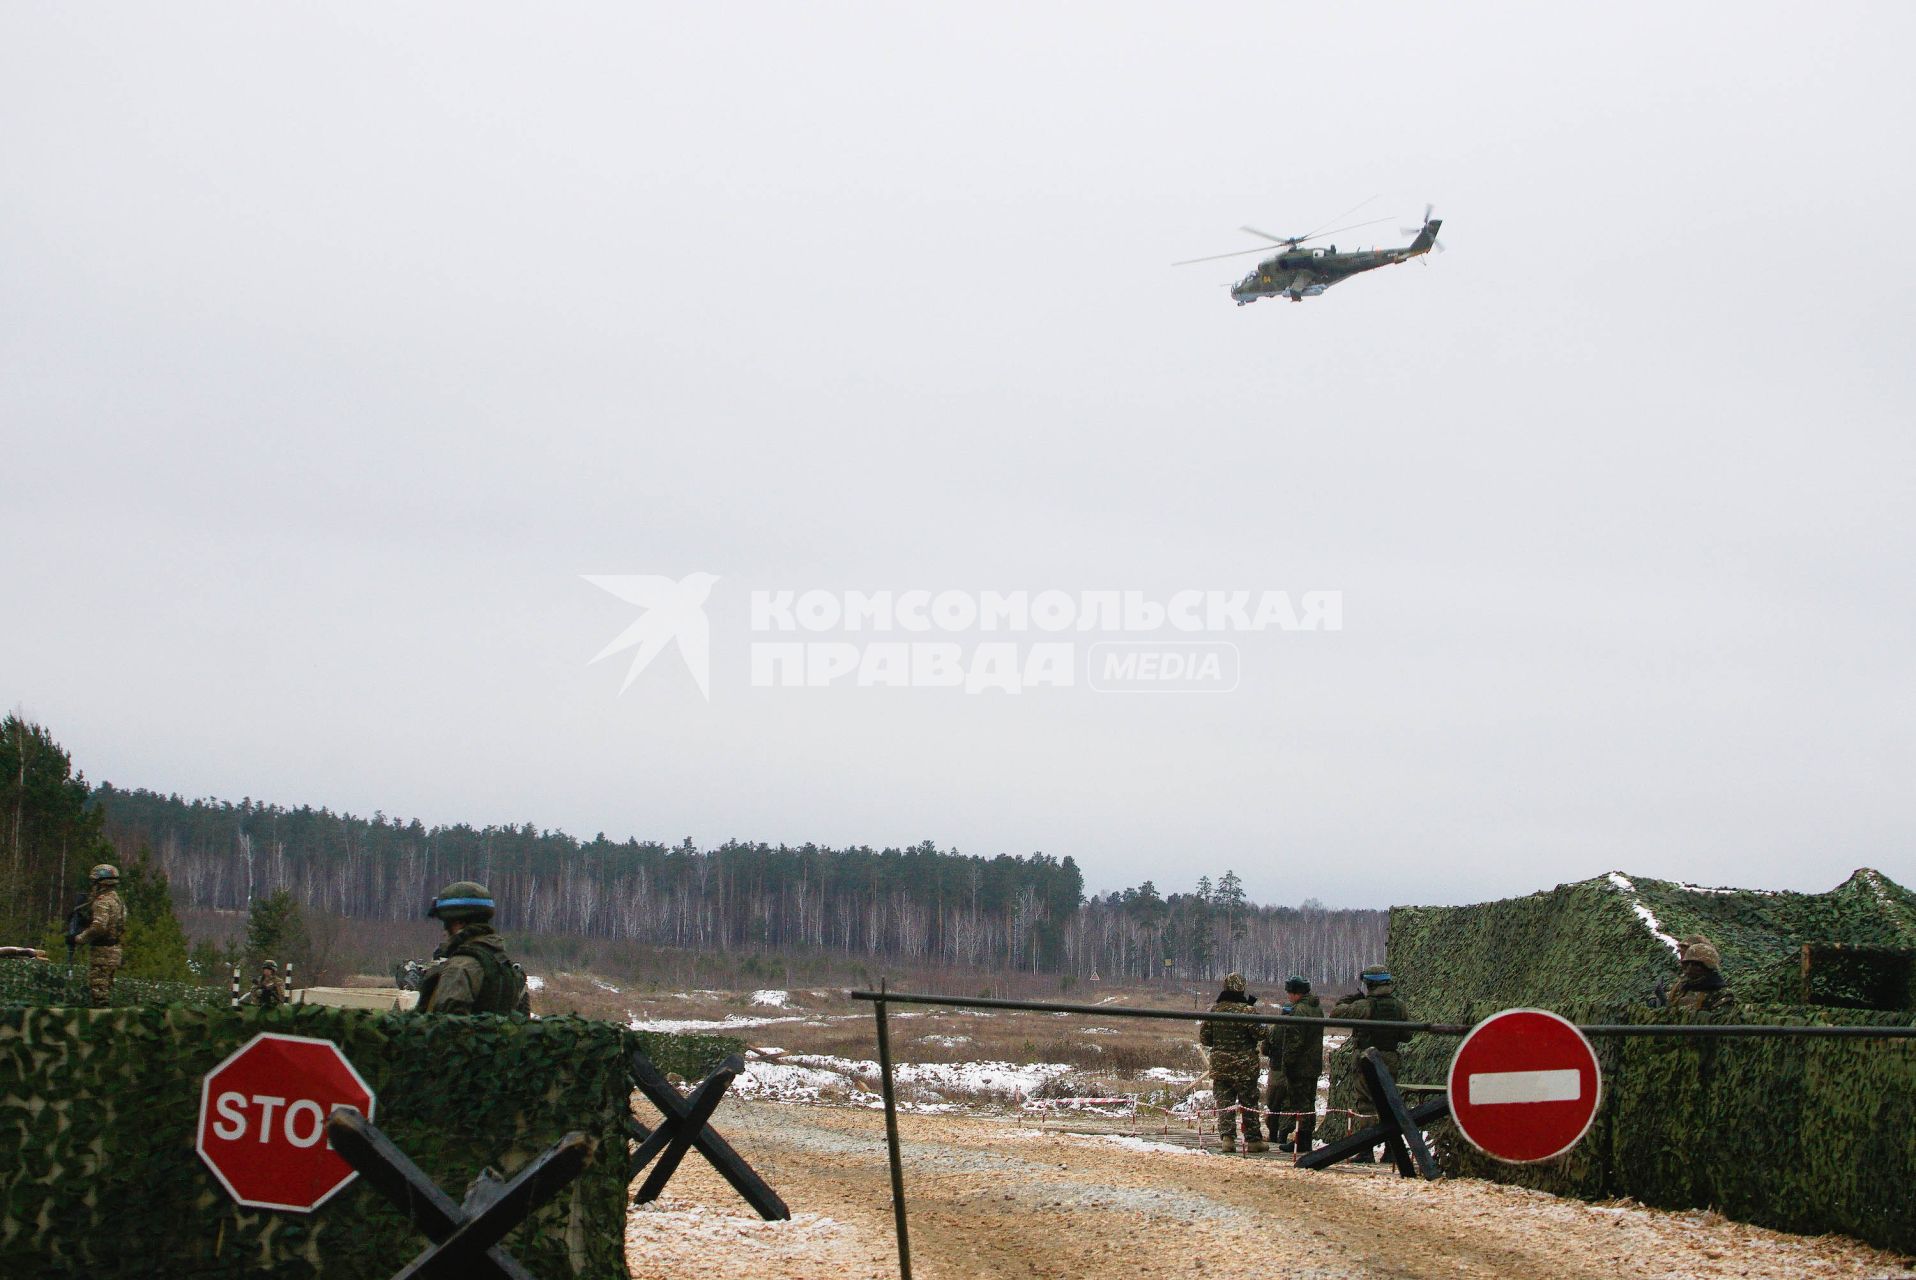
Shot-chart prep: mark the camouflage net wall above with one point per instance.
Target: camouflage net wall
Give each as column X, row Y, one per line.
column 1804, row 1135
column 40, row 982
column 1592, row 942
column 98, row 1109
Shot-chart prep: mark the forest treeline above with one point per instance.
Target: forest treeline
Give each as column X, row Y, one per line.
column 920, row 906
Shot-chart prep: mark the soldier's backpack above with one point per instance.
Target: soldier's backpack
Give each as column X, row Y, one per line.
column 1389, row 1009
column 503, row 985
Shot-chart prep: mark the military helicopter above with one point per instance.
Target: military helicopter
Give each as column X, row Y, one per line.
column 1297, row 273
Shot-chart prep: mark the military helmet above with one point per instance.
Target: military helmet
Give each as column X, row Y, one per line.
column 1703, row 953
column 105, row 873
column 270, row 965
column 462, row 900
column 1234, row 983
column 1376, row 975
column 1297, row 984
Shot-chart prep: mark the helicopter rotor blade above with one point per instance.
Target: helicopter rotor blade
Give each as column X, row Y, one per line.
column 1268, row 236
column 1235, row 253
column 1311, row 235
column 1352, row 227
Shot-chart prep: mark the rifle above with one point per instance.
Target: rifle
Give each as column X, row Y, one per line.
column 77, row 921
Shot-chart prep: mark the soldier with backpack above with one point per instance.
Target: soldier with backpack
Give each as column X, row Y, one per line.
column 1379, row 1003
column 472, row 973
column 1233, row 1047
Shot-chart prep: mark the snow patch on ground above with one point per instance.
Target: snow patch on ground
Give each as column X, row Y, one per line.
column 776, row 999
column 808, row 1077
column 716, row 1026
column 534, row 982
column 1644, row 913
column 603, row 985
column 789, row 1082
column 1168, row 1075
column 678, row 1221
column 1155, row 1148
column 946, row 1042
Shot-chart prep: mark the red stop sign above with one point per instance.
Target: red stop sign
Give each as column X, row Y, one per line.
column 1524, row 1085
column 263, row 1116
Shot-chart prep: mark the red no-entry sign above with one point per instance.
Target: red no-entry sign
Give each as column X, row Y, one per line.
column 1524, row 1085
column 263, row 1116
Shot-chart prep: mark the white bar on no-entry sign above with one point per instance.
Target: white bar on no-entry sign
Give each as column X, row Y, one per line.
column 1525, row 1086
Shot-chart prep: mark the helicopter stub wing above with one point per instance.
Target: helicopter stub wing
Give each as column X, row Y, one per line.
column 1307, row 284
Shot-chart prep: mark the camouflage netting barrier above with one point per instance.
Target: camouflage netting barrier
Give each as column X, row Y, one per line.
column 98, row 1109
column 41, row 982
column 1597, row 941
column 1805, row 1135
column 1799, row 1134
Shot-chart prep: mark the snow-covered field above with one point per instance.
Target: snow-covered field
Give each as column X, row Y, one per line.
column 708, row 1026
column 817, row 1077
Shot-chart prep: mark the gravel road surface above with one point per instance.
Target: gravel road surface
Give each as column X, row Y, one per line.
column 990, row 1199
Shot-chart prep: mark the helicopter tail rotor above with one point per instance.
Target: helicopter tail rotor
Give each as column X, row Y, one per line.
column 1426, row 241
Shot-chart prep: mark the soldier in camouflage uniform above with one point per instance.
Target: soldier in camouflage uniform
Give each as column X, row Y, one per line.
column 1297, row 1059
column 1700, row 986
column 1234, row 1065
column 471, row 973
column 1380, row 1003
column 105, row 930
column 268, row 992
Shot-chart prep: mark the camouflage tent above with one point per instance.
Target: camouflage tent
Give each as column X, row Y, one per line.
column 1608, row 941
column 1806, row 1135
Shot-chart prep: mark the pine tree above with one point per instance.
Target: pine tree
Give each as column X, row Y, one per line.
column 277, row 931
column 213, row 963
column 49, row 833
column 155, row 945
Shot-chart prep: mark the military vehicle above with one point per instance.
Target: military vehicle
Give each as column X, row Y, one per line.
column 1297, row 273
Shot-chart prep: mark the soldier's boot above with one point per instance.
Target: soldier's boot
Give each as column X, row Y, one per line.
column 1254, row 1146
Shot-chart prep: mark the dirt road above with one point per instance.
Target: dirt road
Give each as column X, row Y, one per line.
column 990, row 1199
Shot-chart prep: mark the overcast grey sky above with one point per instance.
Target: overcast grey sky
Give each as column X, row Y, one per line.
column 336, row 343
